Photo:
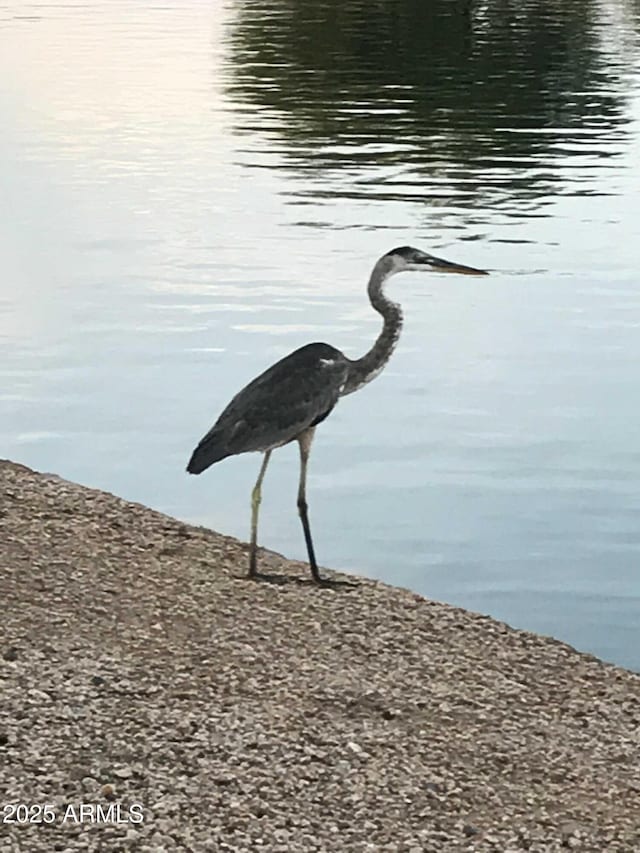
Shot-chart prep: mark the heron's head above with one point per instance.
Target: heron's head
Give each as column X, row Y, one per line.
column 408, row 258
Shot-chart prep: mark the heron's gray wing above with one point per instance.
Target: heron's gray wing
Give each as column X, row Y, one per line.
column 293, row 394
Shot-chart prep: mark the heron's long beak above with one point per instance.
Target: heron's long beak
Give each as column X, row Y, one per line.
column 440, row 265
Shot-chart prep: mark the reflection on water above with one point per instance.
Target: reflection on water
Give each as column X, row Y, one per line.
column 468, row 108
column 196, row 189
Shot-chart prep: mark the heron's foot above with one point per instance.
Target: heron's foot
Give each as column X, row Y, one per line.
column 255, row 575
column 331, row 583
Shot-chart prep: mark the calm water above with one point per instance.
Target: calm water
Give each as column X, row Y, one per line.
column 192, row 189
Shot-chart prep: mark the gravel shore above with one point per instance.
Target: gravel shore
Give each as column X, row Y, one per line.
column 138, row 666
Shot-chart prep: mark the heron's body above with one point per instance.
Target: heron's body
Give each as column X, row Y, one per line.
column 288, row 400
column 309, row 383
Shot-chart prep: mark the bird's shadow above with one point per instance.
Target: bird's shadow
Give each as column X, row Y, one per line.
column 285, row 580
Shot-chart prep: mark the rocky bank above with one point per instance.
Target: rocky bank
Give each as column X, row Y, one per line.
column 139, row 669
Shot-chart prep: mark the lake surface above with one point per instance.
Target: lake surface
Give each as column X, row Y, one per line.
column 190, row 190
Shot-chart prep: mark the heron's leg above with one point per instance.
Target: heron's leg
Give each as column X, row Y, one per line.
column 255, row 507
column 304, row 440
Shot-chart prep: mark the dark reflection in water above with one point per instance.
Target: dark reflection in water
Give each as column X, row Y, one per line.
column 464, row 103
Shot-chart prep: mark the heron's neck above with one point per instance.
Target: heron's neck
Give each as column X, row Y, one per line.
column 364, row 369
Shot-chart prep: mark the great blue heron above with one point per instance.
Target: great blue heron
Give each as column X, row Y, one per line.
column 292, row 397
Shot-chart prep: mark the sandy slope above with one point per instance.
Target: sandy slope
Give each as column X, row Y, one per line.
column 138, row 666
